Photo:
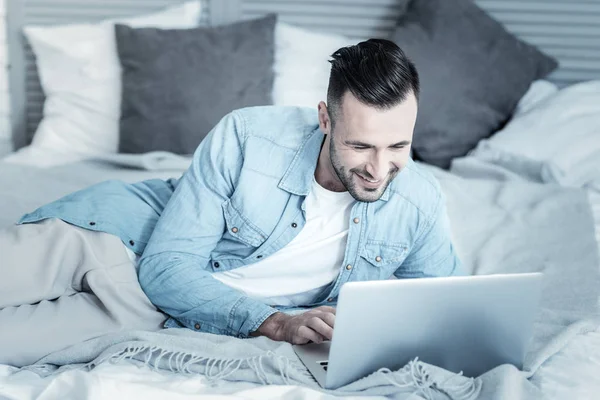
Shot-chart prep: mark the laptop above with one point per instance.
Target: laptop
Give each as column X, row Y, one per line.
column 469, row 323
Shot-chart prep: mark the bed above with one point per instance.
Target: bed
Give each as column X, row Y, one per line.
column 524, row 198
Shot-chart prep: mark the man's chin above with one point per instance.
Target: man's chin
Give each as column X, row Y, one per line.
column 366, row 196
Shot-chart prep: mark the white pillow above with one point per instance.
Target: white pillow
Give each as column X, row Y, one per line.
column 302, row 64
column 80, row 74
column 562, row 131
column 538, row 91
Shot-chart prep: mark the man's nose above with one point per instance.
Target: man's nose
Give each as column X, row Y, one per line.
column 379, row 167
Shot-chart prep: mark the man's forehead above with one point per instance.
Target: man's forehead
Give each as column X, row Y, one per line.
column 378, row 127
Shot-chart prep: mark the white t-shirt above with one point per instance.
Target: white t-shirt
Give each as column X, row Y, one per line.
column 297, row 273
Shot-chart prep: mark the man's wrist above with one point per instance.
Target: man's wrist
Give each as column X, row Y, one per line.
column 271, row 326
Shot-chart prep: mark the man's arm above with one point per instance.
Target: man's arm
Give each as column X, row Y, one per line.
column 174, row 269
column 433, row 253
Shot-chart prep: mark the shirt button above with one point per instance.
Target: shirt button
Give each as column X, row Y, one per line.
column 356, row 220
column 92, row 223
column 377, row 258
column 216, row 265
column 234, row 230
column 294, row 225
column 197, row 326
column 131, row 242
column 330, row 299
column 348, row 267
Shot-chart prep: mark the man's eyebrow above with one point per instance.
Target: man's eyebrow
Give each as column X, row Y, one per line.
column 363, row 144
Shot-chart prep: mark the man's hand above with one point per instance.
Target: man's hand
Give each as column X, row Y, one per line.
column 315, row 325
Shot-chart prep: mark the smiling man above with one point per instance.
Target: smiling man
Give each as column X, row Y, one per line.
column 280, row 207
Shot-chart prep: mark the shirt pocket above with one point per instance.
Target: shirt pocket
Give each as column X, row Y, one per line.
column 380, row 259
column 241, row 237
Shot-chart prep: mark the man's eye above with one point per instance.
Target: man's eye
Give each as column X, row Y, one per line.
column 398, row 147
column 360, row 148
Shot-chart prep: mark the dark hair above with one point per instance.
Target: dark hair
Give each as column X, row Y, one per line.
column 376, row 72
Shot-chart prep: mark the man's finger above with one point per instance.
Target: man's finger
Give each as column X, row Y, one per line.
column 308, row 333
column 299, row 340
column 325, row 314
column 321, row 327
column 328, row 318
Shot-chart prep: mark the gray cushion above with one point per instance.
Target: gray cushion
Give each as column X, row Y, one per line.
column 473, row 73
column 177, row 84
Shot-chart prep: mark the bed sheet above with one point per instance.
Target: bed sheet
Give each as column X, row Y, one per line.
column 569, row 374
column 127, row 381
column 24, row 186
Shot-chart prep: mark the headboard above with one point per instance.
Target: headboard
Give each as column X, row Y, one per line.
column 566, row 29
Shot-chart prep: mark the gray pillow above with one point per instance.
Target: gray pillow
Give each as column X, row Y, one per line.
column 473, row 73
column 177, row 84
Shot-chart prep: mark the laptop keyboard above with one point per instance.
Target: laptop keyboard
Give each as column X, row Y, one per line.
column 323, row 364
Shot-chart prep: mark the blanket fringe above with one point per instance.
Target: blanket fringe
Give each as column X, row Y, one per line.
column 415, row 374
column 215, row 369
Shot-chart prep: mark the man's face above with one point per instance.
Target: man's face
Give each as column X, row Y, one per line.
column 369, row 147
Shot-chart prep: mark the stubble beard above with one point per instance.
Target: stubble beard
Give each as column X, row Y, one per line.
column 365, row 195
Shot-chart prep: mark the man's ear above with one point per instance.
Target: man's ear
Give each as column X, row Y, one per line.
column 324, row 121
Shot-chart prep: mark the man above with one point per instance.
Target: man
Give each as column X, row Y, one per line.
column 280, row 207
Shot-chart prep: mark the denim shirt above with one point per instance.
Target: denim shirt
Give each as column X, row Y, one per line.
column 243, row 199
